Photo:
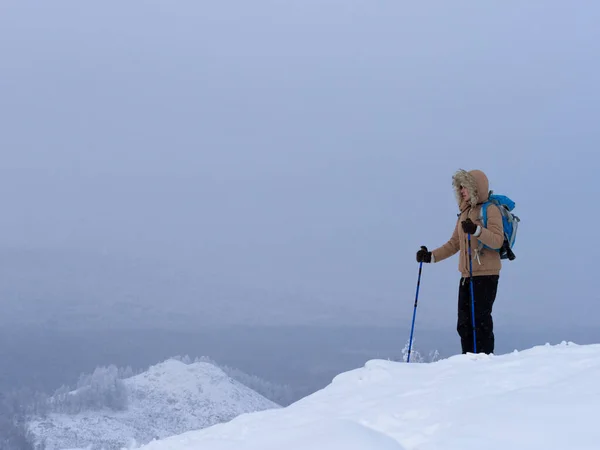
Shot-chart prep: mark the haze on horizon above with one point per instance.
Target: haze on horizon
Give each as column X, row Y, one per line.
column 304, row 149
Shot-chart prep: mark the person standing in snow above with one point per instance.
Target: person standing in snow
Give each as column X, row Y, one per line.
column 472, row 190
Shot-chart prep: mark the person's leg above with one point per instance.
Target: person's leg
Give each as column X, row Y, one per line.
column 485, row 288
column 463, row 323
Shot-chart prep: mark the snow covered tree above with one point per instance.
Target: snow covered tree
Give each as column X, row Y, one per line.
column 125, row 372
column 14, row 409
column 415, row 355
column 101, row 389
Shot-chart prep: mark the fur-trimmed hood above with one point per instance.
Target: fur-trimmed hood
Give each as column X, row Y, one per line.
column 476, row 182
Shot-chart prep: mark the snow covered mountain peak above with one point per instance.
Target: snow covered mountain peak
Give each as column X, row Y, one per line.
column 200, row 379
column 168, row 399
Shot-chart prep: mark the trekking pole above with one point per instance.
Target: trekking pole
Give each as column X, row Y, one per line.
column 412, row 328
column 472, row 297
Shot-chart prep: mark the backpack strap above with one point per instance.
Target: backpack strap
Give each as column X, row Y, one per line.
column 483, row 213
column 483, row 216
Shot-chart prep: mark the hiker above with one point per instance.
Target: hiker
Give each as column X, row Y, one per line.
column 472, row 190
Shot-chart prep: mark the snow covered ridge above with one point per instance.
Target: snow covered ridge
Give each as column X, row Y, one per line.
column 168, row 399
column 547, row 397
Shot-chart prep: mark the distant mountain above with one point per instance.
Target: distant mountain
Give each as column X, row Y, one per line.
column 168, row 399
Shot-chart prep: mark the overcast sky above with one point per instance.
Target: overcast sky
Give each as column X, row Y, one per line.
column 307, row 146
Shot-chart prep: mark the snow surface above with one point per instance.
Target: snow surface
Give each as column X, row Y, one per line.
column 168, row 399
column 546, row 398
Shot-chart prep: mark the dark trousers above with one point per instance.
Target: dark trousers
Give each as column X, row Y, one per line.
column 484, row 288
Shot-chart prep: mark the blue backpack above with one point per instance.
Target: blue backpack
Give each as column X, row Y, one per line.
column 510, row 223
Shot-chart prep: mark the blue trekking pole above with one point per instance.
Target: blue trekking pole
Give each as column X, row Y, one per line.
column 472, row 297
column 412, row 328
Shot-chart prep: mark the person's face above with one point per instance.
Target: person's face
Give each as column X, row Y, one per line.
column 464, row 192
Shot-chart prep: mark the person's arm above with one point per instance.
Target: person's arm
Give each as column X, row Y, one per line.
column 448, row 249
column 493, row 235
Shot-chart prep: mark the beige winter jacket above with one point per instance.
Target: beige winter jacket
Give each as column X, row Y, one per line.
column 486, row 261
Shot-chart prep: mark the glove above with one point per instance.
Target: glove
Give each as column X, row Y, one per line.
column 423, row 255
column 468, row 226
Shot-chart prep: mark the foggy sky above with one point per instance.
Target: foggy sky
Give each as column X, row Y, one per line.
column 307, row 146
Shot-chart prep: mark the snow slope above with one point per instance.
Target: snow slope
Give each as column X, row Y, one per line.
column 168, row 399
column 545, row 398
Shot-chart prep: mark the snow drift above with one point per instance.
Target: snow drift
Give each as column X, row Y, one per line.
column 547, row 397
